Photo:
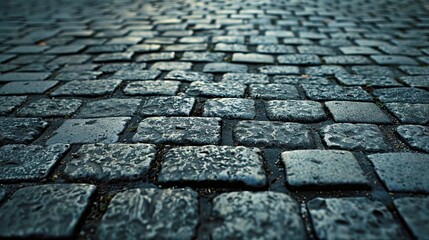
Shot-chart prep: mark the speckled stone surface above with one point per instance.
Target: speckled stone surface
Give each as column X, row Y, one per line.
column 20, row 162
column 145, row 88
column 257, row 215
column 21, row 130
column 33, row 87
column 46, row 107
column 151, row 214
column 230, row 108
column 295, row 111
column 402, row 172
column 245, row 78
column 218, row 89
column 363, row 80
column 352, row 218
column 167, row 106
column 110, row 162
column 416, row 136
column 410, row 113
column 215, row 164
column 87, row 88
column 415, row 212
column 92, row 130
column 9, row 103
column 334, row 92
column 322, row 168
column 132, row 75
column 278, row 134
column 45, row 211
column 404, row 95
column 357, row 112
column 356, row 137
column 179, row 130
column 188, row 76
column 113, row 107
column 273, row 91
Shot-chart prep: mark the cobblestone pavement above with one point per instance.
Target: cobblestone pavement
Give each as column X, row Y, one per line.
column 203, row 119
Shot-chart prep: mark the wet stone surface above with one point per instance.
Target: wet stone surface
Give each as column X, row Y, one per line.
column 113, row 107
column 214, row 164
column 225, row 67
column 221, row 89
column 410, row 113
column 402, row 172
column 334, row 92
column 50, row 108
column 416, row 136
column 110, row 162
column 179, row 130
column 339, row 218
column 48, row 211
column 145, row 88
column 273, row 91
column 416, row 81
column 21, row 130
column 361, row 80
column 404, row 95
column 20, row 88
column 88, row 88
column 415, row 212
column 264, row 211
column 303, row 79
column 357, row 112
column 189, row 76
column 170, row 213
column 295, row 111
column 245, row 78
column 20, row 162
column 130, row 75
column 230, row 108
column 9, row 103
column 167, row 106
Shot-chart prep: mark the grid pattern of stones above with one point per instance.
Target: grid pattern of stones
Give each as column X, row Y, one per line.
column 367, row 56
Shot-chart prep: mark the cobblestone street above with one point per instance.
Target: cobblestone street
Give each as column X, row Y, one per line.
column 214, row 119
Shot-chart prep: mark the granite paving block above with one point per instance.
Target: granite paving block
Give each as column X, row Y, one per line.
column 149, row 57
column 347, row 60
column 227, row 47
column 302, row 79
column 335, row 92
column 45, row 211
column 275, row 49
column 359, row 50
column 96, row 130
column 357, row 112
column 354, row 137
column 28, row 49
column 188, row 76
column 299, row 59
column 314, row 49
column 357, row 217
column 20, row 162
column 272, row 134
column 67, row 49
column 131, row 75
column 325, row 70
column 322, row 169
column 158, row 87
column 114, row 57
column 410, row 113
column 202, row 57
column 112, row 107
column 273, row 91
column 373, row 70
column 179, row 130
column 402, row 171
column 10, row 103
column 279, row 70
column 416, row 136
column 71, row 59
column 89, row 88
column 225, row 67
column 46, row 107
column 402, row 94
column 169, row 66
column 230, row 108
column 110, row 162
column 214, row 164
column 164, row 214
column 24, row 76
column 416, row 81
column 263, row 212
column 245, row 78
column 415, row 212
column 415, row 70
column 116, row 67
column 364, row 80
column 393, row 60
column 216, row 89
column 167, row 106
column 295, row 111
column 33, row 87
column 21, row 130
column 252, row 58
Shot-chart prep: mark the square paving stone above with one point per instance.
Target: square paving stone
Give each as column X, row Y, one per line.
column 303, row 79
column 113, row 107
column 28, row 49
column 90, row 88
column 97, row 130
column 167, row 106
column 362, row 218
column 299, row 59
column 402, row 172
column 234, row 108
column 71, row 59
column 410, row 113
column 107, row 48
column 189, row 76
column 277, row 70
column 202, row 57
column 151, row 214
column 295, row 111
column 362, row 80
column 252, row 58
column 114, row 57
column 273, row 91
column 45, row 211
column 349, row 50
column 224, row 67
column 131, row 75
column 403, row 94
column 245, row 78
column 416, row 81
column 354, row 137
column 270, row 215
column 216, row 89
column 414, row 211
column 110, row 162
column 214, row 164
column 169, row 66
column 24, row 76
column 50, row 108
column 357, row 112
column 347, row 60
column 149, row 57
column 415, row 135
column 116, row 67
column 34, row 87
column 415, row 70
column 272, row 134
column 275, row 49
column 335, row 92
column 77, row 75
column 19, row 162
column 158, row 87
column 370, row 70
column 179, row 130
column 67, row 49
column 325, row 70
column 10, row 103
column 393, row 60
column 21, row 130
column 223, row 47
column 322, row 169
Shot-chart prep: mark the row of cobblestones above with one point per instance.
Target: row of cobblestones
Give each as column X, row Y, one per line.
column 200, row 119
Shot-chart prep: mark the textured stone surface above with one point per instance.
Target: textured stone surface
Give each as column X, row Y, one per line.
column 357, row 137
column 24, row 76
column 295, row 111
column 46, row 107
column 45, row 211
column 410, row 113
column 299, row 59
column 276, row 70
column 252, row 58
column 96, row 130
column 322, row 168
column 23, row 87
column 415, row 212
column 144, row 88
column 225, row 67
column 245, row 78
column 357, row 112
column 334, row 92
column 131, row 75
column 110, row 162
column 402, row 172
column 230, row 108
column 19, row 162
column 361, row 80
column 113, row 107
column 273, row 134
column 416, row 81
column 325, row 70
column 273, row 91
column 405, row 95
column 90, row 88
column 416, row 136
column 221, row 89
column 168, row 66
column 170, row 213
column 21, row 130
column 268, row 215
column 167, row 106
column 179, row 130
column 355, row 218
column 303, row 79
column 189, row 76
column 215, row 164
column 9, row 103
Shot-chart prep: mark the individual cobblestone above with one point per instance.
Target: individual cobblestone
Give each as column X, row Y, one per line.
column 24, row 76
column 20, row 88
column 273, row 91
column 90, row 88
column 167, row 106
column 402, row 94
column 325, row 70
column 295, row 111
column 21, row 130
column 252, row 58
column 80, row 75
column 221, row 89
column 225, row 67
column 410, row 113
column 275, row 49
column 230, row 108
column 357, row 112
column 303, row 79
column 370, row 70
column 149, row 57
column 202, row 57
column 416, row 136
column 10, row 103
column 335, row 92
column 113, row 107
column 245, row 78
column 361, row 80
column 415, row 70
column 278, row 70
column 136, row 75
column 46, row 107
column 169, row 66
column 189, row 76
column 415, row 213
column 416, row 81
column 145, row 88
column 299, row 59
